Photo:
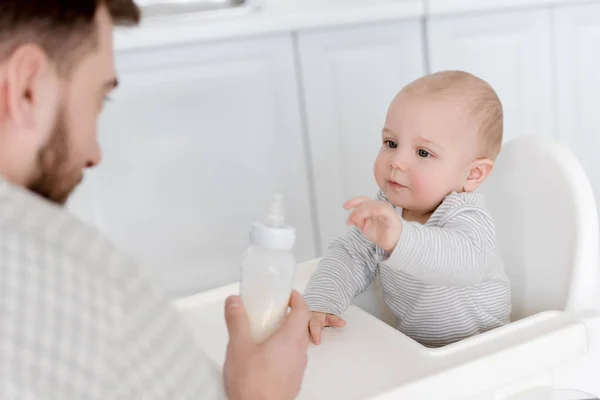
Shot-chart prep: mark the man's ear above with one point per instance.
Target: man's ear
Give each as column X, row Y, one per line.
column 479, row 170
column 23, row 77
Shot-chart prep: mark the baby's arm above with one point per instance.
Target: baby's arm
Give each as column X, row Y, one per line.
column 458, row 253
column 345, row 271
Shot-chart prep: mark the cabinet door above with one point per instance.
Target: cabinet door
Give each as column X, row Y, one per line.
column 577, row 36
column 512, row 51
column 196, row 141
column 349, row 76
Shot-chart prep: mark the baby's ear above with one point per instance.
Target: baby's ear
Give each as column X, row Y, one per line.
column 479, row 170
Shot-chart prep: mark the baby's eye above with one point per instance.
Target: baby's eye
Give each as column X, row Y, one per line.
column 423, row 153
column 391, row 144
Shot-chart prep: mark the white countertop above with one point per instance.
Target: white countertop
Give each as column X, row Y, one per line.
column 278, row 16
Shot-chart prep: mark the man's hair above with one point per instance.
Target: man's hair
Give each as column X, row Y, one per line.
column 62, row 28
column 481, row 99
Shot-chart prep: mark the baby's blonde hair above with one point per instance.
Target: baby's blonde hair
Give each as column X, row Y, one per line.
column 482, row 103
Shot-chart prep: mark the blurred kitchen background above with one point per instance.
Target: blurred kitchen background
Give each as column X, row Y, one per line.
column 223, row 103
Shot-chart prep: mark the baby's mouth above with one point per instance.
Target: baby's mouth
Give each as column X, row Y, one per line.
column 396, row 185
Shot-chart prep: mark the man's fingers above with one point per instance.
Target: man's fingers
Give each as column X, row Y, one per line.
column 335, row 321
column 298, row 318
column 297, row 301
column 299, row 315
column 237, row 321
column 315, row 330
column 355, row 202
column 297, row 321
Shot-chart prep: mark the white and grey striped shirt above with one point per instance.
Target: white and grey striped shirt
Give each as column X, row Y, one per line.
column 444, row 281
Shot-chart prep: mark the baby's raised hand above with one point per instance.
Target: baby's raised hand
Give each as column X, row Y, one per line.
column 320, row 320
column 377, row 220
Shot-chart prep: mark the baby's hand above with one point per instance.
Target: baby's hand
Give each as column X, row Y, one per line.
column 377, row 220
column 320, row 320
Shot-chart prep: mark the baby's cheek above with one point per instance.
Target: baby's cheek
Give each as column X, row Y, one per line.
column 380, row 171
column 425, row 186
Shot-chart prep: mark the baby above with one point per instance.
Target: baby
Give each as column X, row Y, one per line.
column 428, row 231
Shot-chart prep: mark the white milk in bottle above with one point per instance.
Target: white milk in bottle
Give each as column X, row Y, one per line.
column 268, row 272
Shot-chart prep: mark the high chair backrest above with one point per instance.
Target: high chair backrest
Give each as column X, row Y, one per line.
column 547, row 226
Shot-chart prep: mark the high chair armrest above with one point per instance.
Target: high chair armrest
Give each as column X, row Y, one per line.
column 489, row 360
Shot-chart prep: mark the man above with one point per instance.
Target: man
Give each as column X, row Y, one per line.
column 76, row 321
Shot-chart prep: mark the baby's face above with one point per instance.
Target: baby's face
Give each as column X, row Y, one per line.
column 428, row 146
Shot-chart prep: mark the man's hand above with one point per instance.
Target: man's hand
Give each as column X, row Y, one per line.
column 320, row 320
column 377, row 220
column 272, row 369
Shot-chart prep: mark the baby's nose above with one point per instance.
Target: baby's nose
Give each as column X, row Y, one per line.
column 399, row 162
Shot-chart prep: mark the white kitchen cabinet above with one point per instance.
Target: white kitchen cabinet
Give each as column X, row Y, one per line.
column 510, row 50
column 577, row 38
column 349, row 77
column 197, row 140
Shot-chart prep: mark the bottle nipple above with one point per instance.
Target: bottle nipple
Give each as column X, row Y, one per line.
column 276, row 217
column 274, row 233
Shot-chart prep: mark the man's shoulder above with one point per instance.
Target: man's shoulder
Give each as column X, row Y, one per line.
column 32, row 225
column 73, row 299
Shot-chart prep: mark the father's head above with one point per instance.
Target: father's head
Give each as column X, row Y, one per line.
column 56, row 69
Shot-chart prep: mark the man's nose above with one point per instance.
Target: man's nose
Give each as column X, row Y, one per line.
column 94, row 157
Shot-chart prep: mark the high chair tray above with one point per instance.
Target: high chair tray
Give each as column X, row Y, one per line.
column 368, row 359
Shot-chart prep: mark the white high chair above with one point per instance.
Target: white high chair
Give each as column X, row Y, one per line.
column 547, row 227
column 548, row 235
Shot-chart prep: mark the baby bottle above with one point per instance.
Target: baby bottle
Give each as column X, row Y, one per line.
column 268, row 271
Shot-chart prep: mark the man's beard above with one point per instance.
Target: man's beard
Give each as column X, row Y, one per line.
column 56, row 179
